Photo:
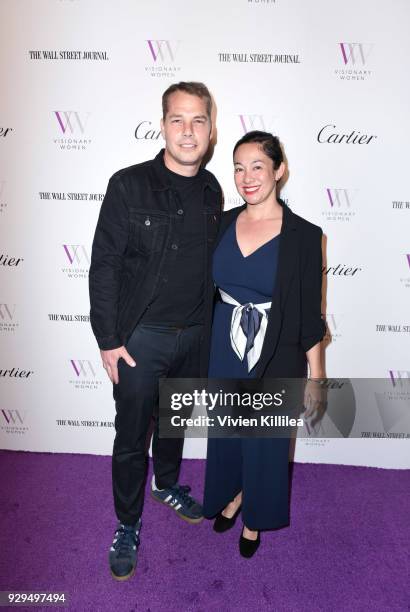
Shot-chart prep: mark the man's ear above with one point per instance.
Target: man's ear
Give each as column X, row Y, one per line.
column 161, row 125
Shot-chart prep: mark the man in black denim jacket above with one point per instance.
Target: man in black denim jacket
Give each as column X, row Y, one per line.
column 150, row 279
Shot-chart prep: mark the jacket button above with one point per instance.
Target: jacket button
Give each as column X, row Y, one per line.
column 174, row 247
column 180, row 211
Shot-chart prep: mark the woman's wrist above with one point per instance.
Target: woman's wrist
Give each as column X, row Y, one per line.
column 317, row 375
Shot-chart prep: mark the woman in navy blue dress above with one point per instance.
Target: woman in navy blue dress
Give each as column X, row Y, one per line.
column 266, row 322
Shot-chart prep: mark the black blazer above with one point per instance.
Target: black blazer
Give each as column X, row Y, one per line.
column 295, row 323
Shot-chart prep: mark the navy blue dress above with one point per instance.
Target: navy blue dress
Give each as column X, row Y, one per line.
column 257, row 467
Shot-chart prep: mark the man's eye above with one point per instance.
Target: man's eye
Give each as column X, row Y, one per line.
column 176, row 121
column 199, row 121
column 238, row 170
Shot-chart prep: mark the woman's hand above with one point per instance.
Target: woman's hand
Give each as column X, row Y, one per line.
column 315, row 400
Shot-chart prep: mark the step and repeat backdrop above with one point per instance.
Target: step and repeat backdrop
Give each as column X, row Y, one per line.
column 81, row 97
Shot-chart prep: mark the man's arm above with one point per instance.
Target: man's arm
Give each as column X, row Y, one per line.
column 109, row 246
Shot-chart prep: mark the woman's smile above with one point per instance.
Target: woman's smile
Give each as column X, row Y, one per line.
column 250, row 190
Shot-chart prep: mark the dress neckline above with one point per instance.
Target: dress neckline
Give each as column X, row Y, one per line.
column 255, row 250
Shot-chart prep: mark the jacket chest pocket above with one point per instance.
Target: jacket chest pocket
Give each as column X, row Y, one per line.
column 211, row 225
column 148, row 231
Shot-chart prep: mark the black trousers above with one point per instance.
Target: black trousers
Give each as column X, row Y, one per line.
column 159, row 351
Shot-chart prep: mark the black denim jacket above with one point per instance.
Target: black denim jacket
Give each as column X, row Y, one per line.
column 138, row 227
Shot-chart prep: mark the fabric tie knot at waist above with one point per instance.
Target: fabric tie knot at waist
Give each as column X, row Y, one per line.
column 248, row 327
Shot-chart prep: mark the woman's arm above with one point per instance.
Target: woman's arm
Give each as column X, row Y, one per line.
column 315, row 361
column 312, row 325
column 313, row 328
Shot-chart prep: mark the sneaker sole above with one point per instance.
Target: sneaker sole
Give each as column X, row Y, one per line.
column 192, row 521
column 122, row 578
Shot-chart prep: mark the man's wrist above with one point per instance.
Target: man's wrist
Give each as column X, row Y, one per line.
column 108, row 343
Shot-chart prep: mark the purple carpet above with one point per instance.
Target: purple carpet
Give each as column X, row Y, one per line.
column 347, row 547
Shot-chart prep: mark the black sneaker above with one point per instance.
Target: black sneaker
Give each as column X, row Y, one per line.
column 123, row 551
column 178, row 498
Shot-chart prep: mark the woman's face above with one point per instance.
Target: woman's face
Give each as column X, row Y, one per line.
column 255, row 177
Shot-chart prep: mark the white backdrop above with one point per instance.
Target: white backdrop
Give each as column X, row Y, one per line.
column 81, row 97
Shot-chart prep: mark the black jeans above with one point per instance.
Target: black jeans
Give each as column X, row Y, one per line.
column 159, row 351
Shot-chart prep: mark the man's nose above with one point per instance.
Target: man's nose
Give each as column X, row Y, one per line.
column 188, row 128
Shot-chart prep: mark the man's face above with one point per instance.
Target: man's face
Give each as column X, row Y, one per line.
column 186, row 130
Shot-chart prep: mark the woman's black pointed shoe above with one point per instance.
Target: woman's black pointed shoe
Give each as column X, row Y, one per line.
column 222, row 523
column 248, row 548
